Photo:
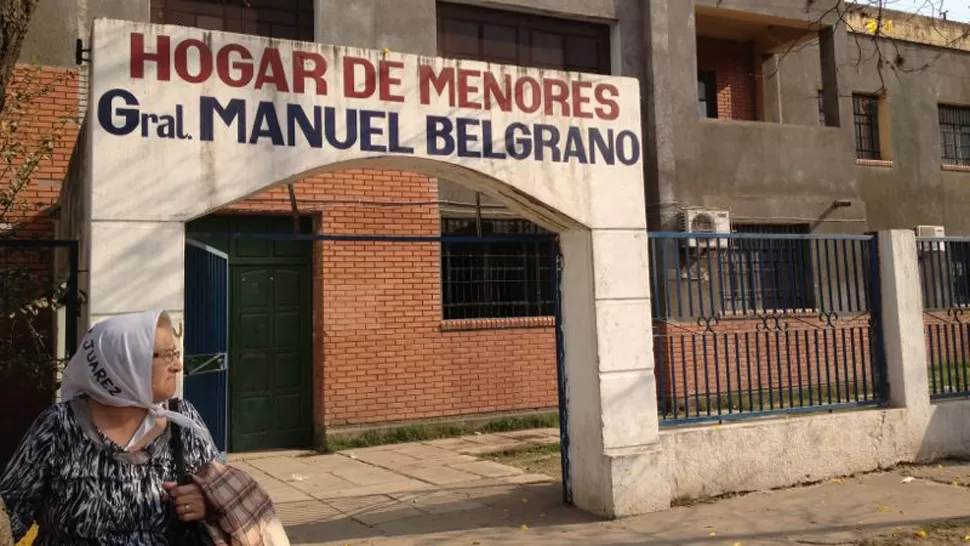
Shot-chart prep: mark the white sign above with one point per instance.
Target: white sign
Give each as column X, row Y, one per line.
column 185, row 121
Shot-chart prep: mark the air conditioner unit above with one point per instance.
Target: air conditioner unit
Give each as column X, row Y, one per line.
column 931, row 232
column 706, row 221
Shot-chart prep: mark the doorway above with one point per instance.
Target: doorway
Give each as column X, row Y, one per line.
column 270, row 359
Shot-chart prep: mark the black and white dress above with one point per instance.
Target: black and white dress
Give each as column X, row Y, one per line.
column 81, row 488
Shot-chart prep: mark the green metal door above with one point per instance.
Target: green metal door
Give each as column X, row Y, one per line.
column 270, row 343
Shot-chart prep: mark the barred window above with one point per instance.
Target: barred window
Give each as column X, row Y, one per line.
column 769, row 274
column 955, row 135
column 497, row 279
column 285, row 19
column 865, row 113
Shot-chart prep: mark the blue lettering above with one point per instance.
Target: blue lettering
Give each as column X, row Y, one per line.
column 234, row 111
column 295, row 115
column 440, row 128
column 634, row 155
column 518, row 147
column 394, row 136
column 367, row 131
column 147, row 120
column 547, row 136
column 267, row 124
column 330, row 123
column 488, row 145
column 605, row 146
column 575, row 147
column 128, row 115
column 465, row 138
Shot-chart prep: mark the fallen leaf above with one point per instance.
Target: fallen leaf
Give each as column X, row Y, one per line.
column 712, row 534
column 525, row 500
column 939, row 466
column 837, row 480
column 908, row 479
column 542, row 515
column 885, row 509
column 736, row 544
column 524, row 527
column 299, row 478
column 955, row 483
column 922, row 533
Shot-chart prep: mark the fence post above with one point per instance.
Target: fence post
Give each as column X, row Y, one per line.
column 902, row 320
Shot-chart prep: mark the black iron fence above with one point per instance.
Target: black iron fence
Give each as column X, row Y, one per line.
column 752, row 323
column 944, row 265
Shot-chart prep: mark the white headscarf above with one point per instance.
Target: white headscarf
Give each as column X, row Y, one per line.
column 113, row 365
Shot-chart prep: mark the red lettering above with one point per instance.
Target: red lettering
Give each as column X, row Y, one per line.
column 441, row 82
column 498, row 94
column 350, row 78
column 388, row 81
column 271, row 70
column 612, row 109
column 467, row 90
column 182, row 61
column 316, row 71
column 161, row 58
column 535, row 95
column 556, row 92
column 579, row 100
column 224, row 66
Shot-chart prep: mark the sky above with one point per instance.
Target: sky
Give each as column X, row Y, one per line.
column 958, row 10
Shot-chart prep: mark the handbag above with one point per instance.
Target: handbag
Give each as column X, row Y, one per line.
column 182, row 533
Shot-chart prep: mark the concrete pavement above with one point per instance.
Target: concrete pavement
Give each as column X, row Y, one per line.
column 439, row 493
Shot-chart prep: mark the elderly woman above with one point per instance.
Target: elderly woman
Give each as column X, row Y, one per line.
column 98, row 468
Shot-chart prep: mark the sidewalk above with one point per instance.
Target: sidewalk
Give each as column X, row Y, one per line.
column 440, row 493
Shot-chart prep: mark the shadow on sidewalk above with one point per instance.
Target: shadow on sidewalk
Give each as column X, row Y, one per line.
column 440, row 510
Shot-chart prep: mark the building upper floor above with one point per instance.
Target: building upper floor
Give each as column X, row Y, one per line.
column 747, row 103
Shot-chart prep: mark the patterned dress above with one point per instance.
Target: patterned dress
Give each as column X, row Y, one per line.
column 81, row 488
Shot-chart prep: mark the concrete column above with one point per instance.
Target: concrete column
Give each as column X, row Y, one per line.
column 828, row 56
column 617, row 467
column 902, row 320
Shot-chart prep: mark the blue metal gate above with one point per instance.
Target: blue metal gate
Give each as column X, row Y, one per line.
column 207, row 336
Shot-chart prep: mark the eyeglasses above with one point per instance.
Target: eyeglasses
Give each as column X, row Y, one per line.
column 169, row 356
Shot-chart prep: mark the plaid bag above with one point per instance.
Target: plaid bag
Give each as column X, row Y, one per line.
column 241, row 508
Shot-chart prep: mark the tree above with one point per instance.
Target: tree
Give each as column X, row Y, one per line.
column 14, row 21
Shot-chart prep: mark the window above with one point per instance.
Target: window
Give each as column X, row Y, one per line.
column 285, row 19
column 506, row 37
column 955, row 135
column 865, row 115
column 707, row 94
column 497, row 279
column 769, row 274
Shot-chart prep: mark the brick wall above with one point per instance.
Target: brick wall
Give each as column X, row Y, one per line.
column 54, row 99
column 733, row 65
column 741, row 355
column 382, row 351
column 53, row 113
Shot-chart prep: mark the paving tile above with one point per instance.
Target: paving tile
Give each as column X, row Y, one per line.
column 399, row 487
column 365, row 474
column 321, row 484
column 487, row 469
column 424, row 452
column 301, row 512
column 436, row 474
column 383, row 458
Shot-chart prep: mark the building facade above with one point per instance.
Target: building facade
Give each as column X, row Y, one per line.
column 775, row 113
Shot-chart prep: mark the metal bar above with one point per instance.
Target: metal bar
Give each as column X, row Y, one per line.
column 73, row 310
column 747, row 354
column 561, row 384
column 875, row 334
column 829, row 408
column 378, row 238
column 758, row 236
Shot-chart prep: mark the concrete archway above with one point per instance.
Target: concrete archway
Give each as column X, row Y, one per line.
column 183, row 122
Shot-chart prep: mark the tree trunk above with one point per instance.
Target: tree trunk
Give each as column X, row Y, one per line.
column 14, row 20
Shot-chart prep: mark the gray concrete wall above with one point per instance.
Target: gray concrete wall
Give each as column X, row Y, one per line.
column 914, row 190
column 57, row 24
column 761, row 172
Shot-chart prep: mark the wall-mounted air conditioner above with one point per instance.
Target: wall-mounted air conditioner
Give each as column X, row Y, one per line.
column 706, row 221
column 931, row 232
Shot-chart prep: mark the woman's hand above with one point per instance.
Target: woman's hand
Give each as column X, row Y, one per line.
column 189, row 501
